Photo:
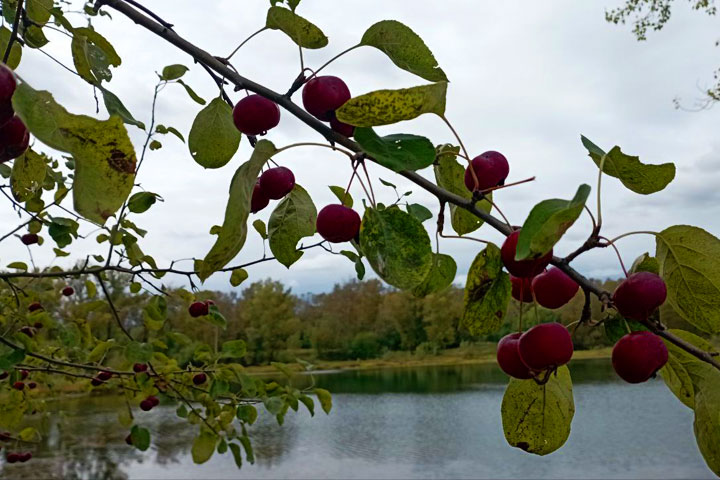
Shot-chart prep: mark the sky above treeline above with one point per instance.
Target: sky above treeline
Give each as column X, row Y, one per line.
column 527, row 79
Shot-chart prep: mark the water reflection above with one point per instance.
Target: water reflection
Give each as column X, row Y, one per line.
column 394, row 423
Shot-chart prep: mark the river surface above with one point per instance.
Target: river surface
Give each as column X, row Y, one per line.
column 429, row 422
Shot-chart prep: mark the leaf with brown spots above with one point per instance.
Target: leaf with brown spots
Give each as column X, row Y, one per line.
column 104, row 156
column 487, row 293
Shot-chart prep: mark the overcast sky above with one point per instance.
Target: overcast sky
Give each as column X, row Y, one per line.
column 527, row 79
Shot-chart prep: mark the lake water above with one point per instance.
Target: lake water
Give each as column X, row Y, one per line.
column 430, row 422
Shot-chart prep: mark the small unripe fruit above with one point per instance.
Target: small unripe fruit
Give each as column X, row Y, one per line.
column 342, row 128
column 146, row 405
column 638, row 356
column 639, row 295
column 140, row 367
column 545, row 346
column 32, row 385
column 277, row 182
column 19, row 385
column 198, row 309
column 509, row 359
column 35, row 306
column 491, row 169
column 255, row 115
column 199, row 379
column 67, row 291
column 337, row 223
column 554, row 288
column 29, row 238
column 323, row 95
column 521, row 289
column 259, row 199
column 522, row 268
column 24, row 374
column 14, row 139
column 104, row 375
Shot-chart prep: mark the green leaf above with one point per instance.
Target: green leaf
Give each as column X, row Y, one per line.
column 678, row 380
column 405, row 48
column 537, row 418
column 213, row 138
column 140, row 202
column 28, row 175
column 192, row 93
column 324, row 398
column 234, row 228
column 635, row 175
column 396, row 152
column 260, row 227
column 238, row 276
column 247, row 414
column 487, row 293
column 384, row 107
column 450, row 175
column 547, row 223
column 233, row 349
column 237, row 454
column 103, row 154
column 420, row 212
column 115, row 106
column 300, row 31
column 15, row 51
column 173, row 72
column 140, row 437
column 203, row 447
column 645, row 263
column 441, row 275
column 345, row 198
column 397, row 246
column 689, row 259
column 293, row 219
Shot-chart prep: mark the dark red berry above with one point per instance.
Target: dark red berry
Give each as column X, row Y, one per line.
column 19, row 385
column 521, row 289
column 199, row 379
column 67, row 291
column 637, row 356
column 337, row 223
column 259, row 199
column 277, row 182
column 554, row 288
column 323, row 95
column 146, row 405
column 491, row 169
column 522, row 268
column 140, row 367
column 342, row 128
column 546, row 345
column 29, row 238
column 638, row 296
column 255, row 115
column 198, row 309
column 509, row 359
column 14, row 139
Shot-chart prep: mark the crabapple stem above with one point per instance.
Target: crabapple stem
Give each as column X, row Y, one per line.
column 333, row 59
column 244, row 42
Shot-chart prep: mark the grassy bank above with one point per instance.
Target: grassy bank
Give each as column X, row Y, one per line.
column 474, row 355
